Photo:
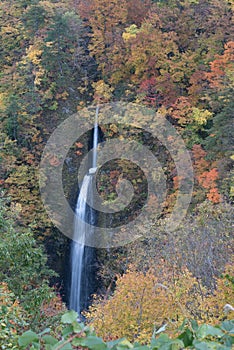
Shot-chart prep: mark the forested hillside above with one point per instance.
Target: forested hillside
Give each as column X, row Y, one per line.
column 175, row 57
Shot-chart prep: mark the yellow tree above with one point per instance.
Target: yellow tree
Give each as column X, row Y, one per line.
column 107, row 21
column 144, row 301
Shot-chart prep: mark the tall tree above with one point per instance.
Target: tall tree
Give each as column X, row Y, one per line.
column 107, row 21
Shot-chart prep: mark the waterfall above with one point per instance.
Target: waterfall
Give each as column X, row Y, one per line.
column 95, row 139
column 82, row 256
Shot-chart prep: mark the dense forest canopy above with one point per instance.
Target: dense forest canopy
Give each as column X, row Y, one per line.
column 175, row 57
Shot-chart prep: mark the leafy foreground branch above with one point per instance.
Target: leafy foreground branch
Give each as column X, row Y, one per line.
column 76, row 335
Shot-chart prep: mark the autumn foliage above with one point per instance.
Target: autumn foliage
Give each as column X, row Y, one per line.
column 222, row 68
column 207, row 179
column 143, row 302
column 58, row 57
column 175, row 57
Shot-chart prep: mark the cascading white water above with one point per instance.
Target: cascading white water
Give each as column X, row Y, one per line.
column 77, row 251
column 80, row 257
column 95, row 139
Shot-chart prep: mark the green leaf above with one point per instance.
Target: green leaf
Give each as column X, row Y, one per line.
column 163, row 342
column 228, row 340
column 207, row 330
column 48, row 339
column 77, row 327
column 65, row 347
column 181, row 328
column 27, row 338
column 228, row 326
column 174, row 345
column 35, row 346
column 88, row 331
column 194, row 325
column 141, row 347
column 69, row 317
column 78, row 341
column 113, row 343
column 162, row 339
column 124, row 344
column 202, row 345
column 93, row 342
column 67, row 330
column 186, row 337
column 48, row 347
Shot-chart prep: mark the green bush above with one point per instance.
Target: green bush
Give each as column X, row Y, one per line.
column 75, row 335
column 23, row 266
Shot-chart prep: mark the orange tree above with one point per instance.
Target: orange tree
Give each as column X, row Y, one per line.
column 142, row 303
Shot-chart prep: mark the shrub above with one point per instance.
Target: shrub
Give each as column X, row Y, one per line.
column 13, row 318
column 142, row 303
column 76, row 335
column 24, row 270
